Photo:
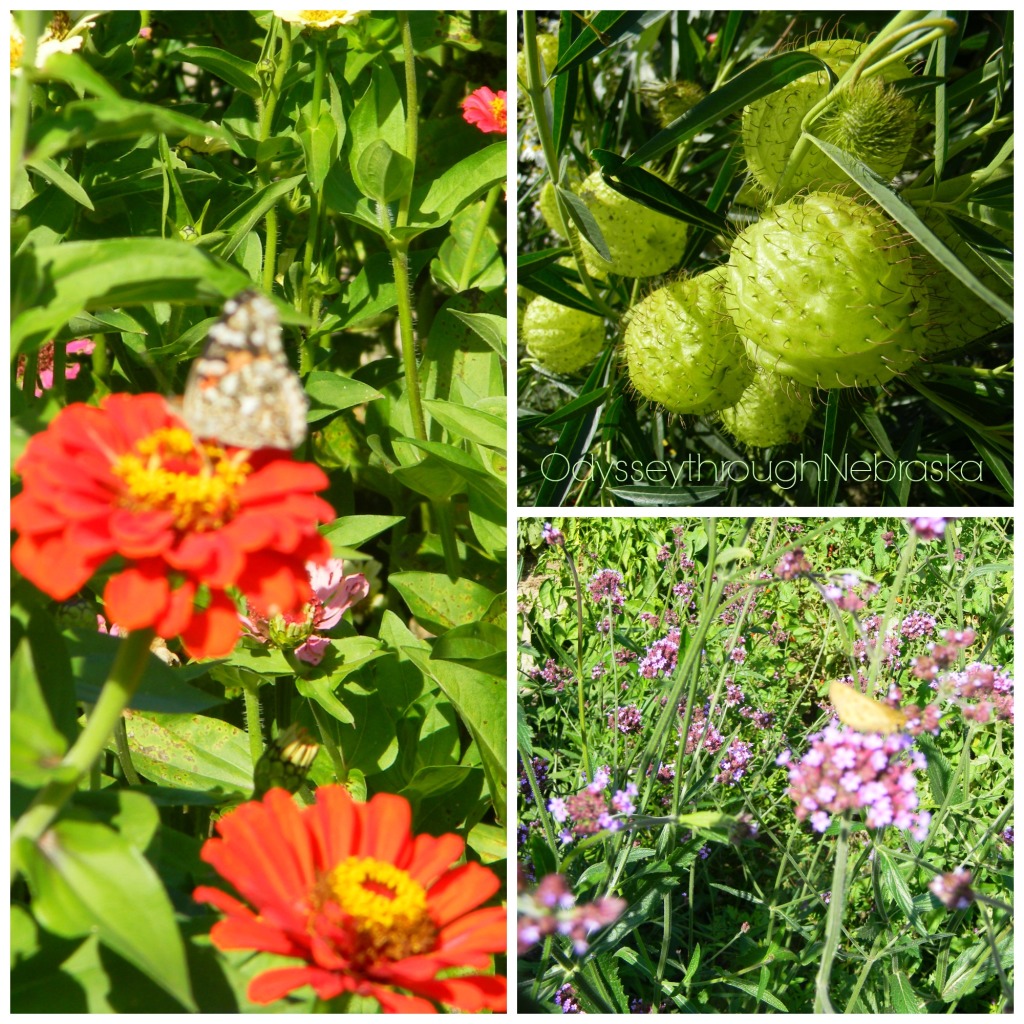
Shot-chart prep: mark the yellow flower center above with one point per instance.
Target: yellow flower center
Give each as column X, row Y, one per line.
column 167, row 472
column 386, row 910
column 17, row 51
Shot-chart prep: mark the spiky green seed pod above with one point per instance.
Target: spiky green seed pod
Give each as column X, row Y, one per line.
column 641, row 242
column 547, row 48
column 823, row 289
column 682, row 349
column 954, row 315
column 773, row 410
column 870, row 121
column 670, row 100
column 561, row 339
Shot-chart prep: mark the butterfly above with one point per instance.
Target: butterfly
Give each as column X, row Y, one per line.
column 862, row 713
column 241, row 390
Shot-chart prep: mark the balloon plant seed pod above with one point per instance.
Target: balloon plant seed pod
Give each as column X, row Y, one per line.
column 871, row 121
column 561, row 339
column 682, row 349
column 773, row 410
column 823, row 289
column 641, row 242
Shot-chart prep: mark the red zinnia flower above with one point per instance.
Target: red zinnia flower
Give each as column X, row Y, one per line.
column 487, row 110
column 128, row 479
column 369, row 907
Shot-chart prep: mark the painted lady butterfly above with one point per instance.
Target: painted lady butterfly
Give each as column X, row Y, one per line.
column 241, row 390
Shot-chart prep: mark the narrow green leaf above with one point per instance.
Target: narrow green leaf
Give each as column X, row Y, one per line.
column 238, row 73
column 763, row 78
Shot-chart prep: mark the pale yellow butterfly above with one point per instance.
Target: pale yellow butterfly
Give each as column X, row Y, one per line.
column 862, row 713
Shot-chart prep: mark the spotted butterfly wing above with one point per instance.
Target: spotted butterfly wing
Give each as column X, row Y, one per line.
column 241, row 390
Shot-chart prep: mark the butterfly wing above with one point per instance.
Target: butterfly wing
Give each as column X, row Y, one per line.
column 862, row 713
column 241, row 390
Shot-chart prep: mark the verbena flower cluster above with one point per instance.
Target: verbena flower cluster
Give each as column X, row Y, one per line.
column 551, row 907
column 848, row 770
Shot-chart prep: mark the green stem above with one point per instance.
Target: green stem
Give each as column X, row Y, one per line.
column 834, row 921
column 316, row 196
column 116, row 695
column 400, row 266
column 483, row 219
column 21, row 109
column 581, row 708
column 268, row 108
column 535, row 91
column 253, row 727
column 542, row 811
column 124, row 754
column 412, row 108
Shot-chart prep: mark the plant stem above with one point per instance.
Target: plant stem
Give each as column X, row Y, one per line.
column 266, row 122
column 483, row 219
column 21, row 108
column 315, row 196
column 536, row 93
column 116, row 695
column 124, row 754
column 251, row 695
column 581, row 707
column 834, row 921
column 412, row 110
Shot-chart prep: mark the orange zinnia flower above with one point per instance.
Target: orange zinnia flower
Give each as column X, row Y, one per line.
column 371, row 908
column 487, row 110
column 128, row 479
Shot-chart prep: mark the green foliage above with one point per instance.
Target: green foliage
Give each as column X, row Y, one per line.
column 766, row 116
column 726, row 891
column 171, row 160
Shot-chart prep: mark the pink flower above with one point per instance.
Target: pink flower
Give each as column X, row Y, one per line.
column 487, row 110
column 333, row 594
column 71, row 369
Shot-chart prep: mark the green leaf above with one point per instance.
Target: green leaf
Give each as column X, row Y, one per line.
column 321, row 146
column 335, row 391
column 378, row 116
column 85, row 873
column 384, row 175
column 162, row 688
column 90, row 122
column 191, row 751
column 436, row 203
column 472, row 424
column 244, row 217
column 471, row 642
column 238, row 73
column 353, row 531
column 605, row 29
column 902, row 995
column 488, row 842
column 440, row 603
column 491, row 328
column 479, row 700
column 650, row 191
column 552, row 284
column 62, row 180
column 77, row 276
